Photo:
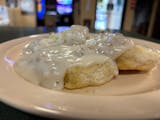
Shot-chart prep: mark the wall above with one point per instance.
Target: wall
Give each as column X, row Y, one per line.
column 18, row 19
column 84, row 12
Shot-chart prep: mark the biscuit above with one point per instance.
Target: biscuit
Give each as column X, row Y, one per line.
column 138, row 58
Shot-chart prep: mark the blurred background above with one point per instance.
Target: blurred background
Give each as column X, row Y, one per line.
column 135, row 16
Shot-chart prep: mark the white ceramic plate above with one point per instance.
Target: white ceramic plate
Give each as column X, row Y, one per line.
column 130, row 95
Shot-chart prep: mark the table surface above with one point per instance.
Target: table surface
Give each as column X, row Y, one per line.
column 8, row 33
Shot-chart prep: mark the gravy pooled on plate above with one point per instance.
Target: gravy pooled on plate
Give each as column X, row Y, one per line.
column 47, row 62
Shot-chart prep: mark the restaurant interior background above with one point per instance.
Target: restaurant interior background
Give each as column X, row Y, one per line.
column 136, row 16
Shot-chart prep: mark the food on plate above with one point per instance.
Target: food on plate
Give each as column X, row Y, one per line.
column 77, row 58
column 138, row 58
column 97, row 72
